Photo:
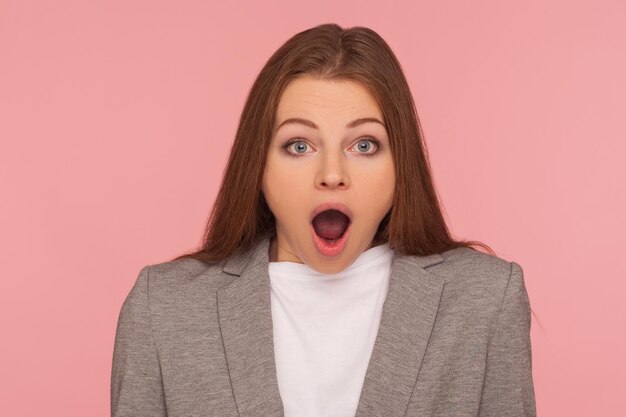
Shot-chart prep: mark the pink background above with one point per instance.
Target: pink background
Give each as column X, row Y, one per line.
column 116, row 119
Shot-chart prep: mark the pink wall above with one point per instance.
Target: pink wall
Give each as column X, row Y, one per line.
column 116, row 119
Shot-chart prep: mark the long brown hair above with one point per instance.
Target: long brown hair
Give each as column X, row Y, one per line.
column 240, row 215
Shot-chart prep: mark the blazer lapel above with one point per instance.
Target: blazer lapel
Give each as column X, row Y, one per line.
column 244, row 311
column 407, row 320
column 409, row 311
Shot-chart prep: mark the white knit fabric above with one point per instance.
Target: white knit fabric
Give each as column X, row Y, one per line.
column 324, row 331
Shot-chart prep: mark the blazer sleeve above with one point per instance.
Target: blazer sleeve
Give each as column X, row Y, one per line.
column 136, row 384
column 508, row 385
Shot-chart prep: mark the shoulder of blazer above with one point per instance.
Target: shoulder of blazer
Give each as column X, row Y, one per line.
column 183, row 283
column 189, row 271
column 467, row 263
column 475, row 281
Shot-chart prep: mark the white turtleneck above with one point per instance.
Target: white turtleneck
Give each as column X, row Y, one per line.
column 324, row 328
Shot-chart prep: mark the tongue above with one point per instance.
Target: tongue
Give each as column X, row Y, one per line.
column 330, row 224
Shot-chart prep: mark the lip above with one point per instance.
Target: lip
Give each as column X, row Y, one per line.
column 331, row 205
column 331, row 250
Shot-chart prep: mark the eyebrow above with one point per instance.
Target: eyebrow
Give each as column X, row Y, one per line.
column 354, row 123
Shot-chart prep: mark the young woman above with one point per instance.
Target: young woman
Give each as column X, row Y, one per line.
column 327, row 283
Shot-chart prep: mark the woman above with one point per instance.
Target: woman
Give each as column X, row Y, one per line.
column 328, row 283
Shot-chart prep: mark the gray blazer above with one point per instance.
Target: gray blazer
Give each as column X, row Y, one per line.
column 454, row 340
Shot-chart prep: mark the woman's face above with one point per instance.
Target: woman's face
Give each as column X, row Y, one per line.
column 332, row 162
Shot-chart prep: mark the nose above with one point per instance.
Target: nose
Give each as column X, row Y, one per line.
column 332, row 171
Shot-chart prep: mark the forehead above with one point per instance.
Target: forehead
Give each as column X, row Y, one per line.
column 307, row 96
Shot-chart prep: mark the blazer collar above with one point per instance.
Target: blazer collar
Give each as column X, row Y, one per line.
column 407, row 320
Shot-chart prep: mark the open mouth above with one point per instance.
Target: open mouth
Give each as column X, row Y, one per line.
column 331, row 224
column 331, row 229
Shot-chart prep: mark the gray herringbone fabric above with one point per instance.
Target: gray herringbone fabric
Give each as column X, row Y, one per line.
column 454, row 340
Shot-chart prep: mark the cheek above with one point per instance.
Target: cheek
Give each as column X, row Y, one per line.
column 379, row 193
column 285, row 192
column 280, row 181
column 384, row 174
column 378, row 180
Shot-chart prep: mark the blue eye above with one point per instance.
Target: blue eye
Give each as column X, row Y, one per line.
column 365, row 141
column 303, row 144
